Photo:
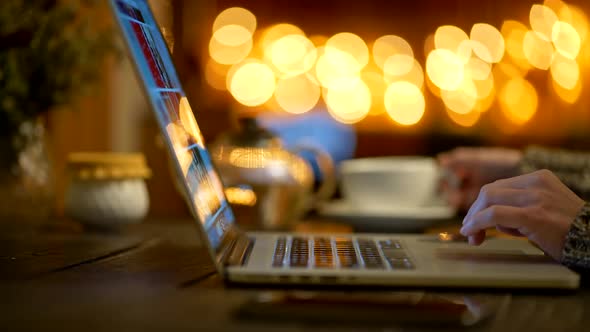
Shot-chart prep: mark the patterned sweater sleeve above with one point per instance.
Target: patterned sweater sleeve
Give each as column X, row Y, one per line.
column 573, row 168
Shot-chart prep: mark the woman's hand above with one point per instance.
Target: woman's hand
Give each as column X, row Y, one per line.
column 536, row 205
column 468, row 169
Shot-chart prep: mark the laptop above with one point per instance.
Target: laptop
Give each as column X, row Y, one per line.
column 295, row 258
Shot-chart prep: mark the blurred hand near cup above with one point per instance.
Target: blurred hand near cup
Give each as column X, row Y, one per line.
column 466, row 170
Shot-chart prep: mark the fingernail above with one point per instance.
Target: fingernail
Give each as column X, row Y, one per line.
column 471, row 240
column 462, row 230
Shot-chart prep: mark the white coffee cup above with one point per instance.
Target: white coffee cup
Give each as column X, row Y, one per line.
column 389, row 181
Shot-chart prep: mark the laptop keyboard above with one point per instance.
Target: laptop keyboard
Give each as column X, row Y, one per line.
column 340, row 252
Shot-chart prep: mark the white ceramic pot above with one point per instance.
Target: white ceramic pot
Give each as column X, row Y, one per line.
column 107, row 203
column 107, row 189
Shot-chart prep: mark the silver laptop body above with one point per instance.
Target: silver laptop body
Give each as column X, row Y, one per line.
column 291, row 258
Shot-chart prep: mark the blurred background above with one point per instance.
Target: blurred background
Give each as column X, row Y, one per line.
column 386, row 77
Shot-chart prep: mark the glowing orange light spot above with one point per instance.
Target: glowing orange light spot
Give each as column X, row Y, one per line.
column 349, row 43
column 450, row 37
column 445, row 69
column 297, row 94
column 566, row 40
column 377, row 85
column 404, row 103
column 464, row 120
column 565, row 72
column 489, row 44
column 538, row 51
column 235, row 16
column 389, row 46
column 252, row 83
column 293, row 54
column 518, row 100
column 542, row 19
column 349, row 105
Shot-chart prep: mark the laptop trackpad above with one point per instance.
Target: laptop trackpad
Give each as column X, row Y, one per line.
column 491, row 256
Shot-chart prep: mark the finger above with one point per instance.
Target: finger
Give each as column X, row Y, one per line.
column 506, row 216
column 494, row 194
column 530, row 180
column 477, row 238
column 509, row 231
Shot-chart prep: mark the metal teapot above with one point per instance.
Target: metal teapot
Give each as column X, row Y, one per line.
column 269, row 186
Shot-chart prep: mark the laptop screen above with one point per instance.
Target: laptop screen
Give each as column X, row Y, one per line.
column 149, row 52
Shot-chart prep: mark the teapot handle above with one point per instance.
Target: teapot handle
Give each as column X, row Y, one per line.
column 327, row 169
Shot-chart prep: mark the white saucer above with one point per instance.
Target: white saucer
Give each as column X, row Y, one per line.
column 388, row 218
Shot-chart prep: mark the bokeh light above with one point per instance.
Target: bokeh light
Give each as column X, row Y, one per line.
column 464, row 120
column 445, row 69
column 293, row 54
column 514, row 32
column 229, row 55
column 215, row 74
column 484, row 88
column 565, row 72
column 518, row 100
column 569, row 96
column 478, row 69
column 297, row 94
column 469, row 72
column 398, row 65
column 537, row 50
column 235, row 16
column 414, row 76
column 484, row 103
column 395, row 49
column 566, row 40
column 377, row 85
column 349, row 43
column 276, row 32
column 252, row 83
column 404, row 103
column 231, row 41
column 450, row 38
column 488, row 42
column 429, row 44
column 542, row 19
column 461, row 100
column 349, row 105
column 232, row 35
column 577, row 18
column 337, row 70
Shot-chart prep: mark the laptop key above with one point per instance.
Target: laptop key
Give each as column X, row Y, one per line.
column 390, row 244
column 322, row 251
column 299, row 256
column 370, row 254
column 346, row 253
column 398, row 264
column 395, row 253
column 279, row 254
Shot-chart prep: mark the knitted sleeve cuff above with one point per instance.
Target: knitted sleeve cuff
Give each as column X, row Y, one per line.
column 576, row 250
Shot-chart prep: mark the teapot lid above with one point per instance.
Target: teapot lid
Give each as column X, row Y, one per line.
column 251, row 134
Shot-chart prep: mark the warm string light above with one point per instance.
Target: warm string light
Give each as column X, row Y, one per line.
column 467, row 70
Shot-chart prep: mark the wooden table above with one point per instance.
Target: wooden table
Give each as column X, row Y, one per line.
column 159, row 277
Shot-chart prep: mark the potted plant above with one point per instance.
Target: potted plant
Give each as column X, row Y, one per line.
column 50, row 53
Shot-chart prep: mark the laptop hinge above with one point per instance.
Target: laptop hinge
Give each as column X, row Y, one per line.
column 236, row 248
column 241, row 251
